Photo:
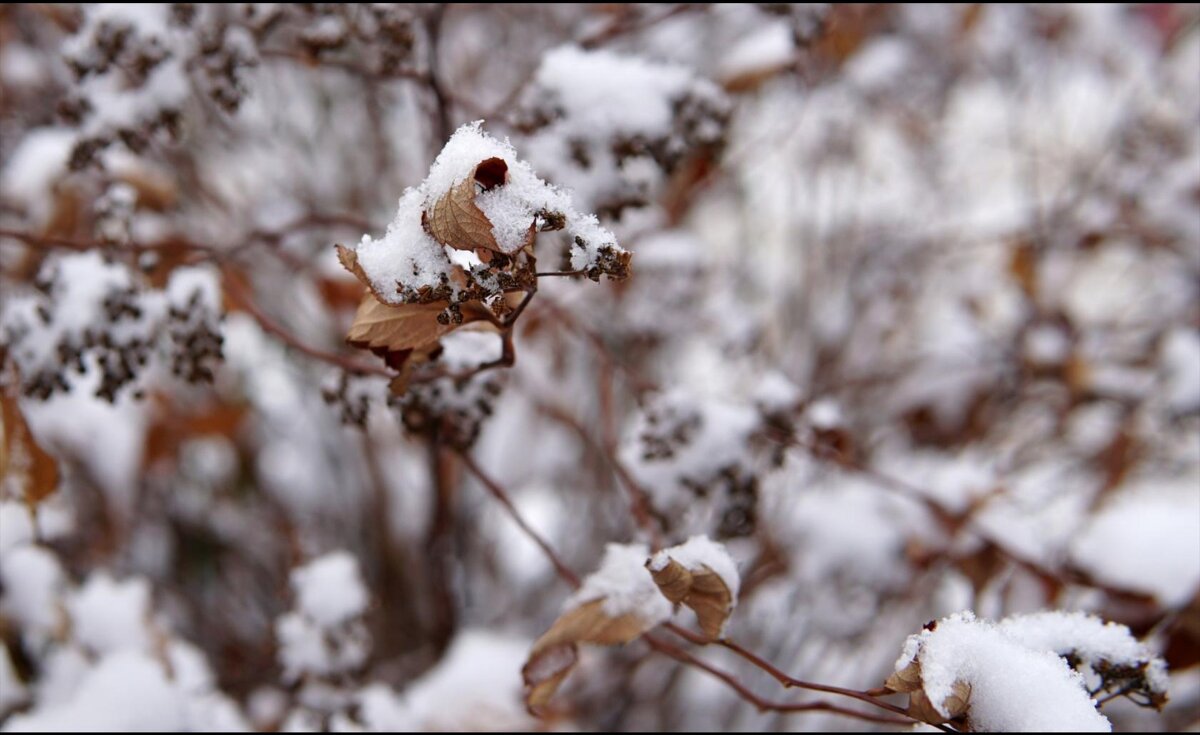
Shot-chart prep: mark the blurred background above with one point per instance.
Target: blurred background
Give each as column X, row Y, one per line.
column 913, row 327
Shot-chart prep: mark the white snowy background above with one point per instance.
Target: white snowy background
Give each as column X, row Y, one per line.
column 912, row 334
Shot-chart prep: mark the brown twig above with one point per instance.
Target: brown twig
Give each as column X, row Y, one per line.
column 764, row 705
column 499, row 493
column 639, row 502
column 570, row 577
column 241, row 295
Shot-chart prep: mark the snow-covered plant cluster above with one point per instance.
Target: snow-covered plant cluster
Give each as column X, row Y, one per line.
column 616, row 367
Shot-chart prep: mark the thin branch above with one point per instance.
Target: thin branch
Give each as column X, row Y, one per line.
column 764, row 705
column 314, row 62
column 915, row 493
column 639, row 502
column 624, row 25
column 636, row 382
column 498, row 492
column 242, row 297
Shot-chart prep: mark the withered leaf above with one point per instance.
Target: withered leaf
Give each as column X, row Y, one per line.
column 455, row 220
column 908, row 680
column 380, row 326
column 702, row 590
column 408, row 334
column 557, row 651
column 23, row 463
column 349, row 260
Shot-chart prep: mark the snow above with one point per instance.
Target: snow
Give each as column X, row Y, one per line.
column 603, row 92
column 1147, row 538
column 1013, row 687
column 714, row 434
column 1087, row 638
column 698, row 553
column 407, row 258
column 33, row 585
column 476, row 686
column 1181, row 369
column 845, row 528
column 33, row 169
column 16, row 525
column 768, row 48
column 329, row 590
column 624, row 585
column 324, row 634
column 109, row 615
column 126, row 691
column 825, row 414
column 774, row 393
column 130, row 691
column 406, row 255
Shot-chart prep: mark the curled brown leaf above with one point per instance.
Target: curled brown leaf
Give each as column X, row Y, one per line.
column 908, row 680
column 702, row 590
column 555, row 654
column 456, row 221
column 408, row 334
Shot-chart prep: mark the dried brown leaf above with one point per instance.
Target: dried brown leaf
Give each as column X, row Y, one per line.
column 907, row 679
column 673, row 580
column 455, row 220
column 556, row 652
column 23, row 463
column 349, row 260
column 408, row 334
column 702, row 590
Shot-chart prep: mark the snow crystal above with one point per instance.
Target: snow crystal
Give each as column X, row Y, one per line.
column 1012, row 687
column 329, row 590
column 698, row 552
column 624, row 584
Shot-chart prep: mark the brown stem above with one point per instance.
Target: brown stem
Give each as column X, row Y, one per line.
column 764, row 705
column 639, row 502
column 791, row 682
column 241, row 295
column 439, row 546
column 501, row 495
